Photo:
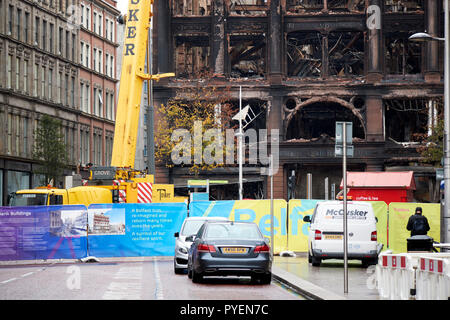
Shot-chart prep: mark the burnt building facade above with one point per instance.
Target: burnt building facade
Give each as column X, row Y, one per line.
column 305, row 64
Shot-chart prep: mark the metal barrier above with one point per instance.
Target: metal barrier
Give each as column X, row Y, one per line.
column 424, row 276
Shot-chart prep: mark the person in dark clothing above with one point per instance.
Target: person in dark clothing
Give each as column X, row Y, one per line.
column 418, row 224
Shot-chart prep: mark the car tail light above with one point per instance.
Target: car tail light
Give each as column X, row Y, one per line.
column 318, row 235
column 262, row 249
column 205, row 248
column 373, row 236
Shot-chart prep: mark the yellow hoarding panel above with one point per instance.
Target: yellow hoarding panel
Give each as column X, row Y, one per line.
column 380, row 209
column 258, row 211
column 399, row 213
column 298, row 229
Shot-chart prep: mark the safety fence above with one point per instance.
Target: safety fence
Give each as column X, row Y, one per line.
column 291, row 232
column 108, row 230
column 420, row 276
column 101, row 230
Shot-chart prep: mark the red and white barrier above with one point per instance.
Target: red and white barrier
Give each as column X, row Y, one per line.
column 122, row 193
column 424, row 276
column 395, row 276
column 433, row 279
column 145, row 192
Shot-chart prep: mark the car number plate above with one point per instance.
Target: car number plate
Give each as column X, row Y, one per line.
column 333, row 236
column 234, row 250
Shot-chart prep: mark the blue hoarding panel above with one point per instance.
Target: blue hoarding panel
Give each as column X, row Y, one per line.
column 42, row 232
column 115, row 230
column 211, row 208
column 119, row 230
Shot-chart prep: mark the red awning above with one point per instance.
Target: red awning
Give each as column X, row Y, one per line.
column 384, row 179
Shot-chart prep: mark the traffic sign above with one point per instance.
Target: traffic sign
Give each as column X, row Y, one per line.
column 439, row 174
column 338, row 151
column 340, row 131
column 339, row 146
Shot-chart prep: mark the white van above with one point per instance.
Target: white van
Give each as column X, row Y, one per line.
column 325, row 240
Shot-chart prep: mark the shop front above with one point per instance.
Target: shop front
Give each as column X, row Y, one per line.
column 15, row 175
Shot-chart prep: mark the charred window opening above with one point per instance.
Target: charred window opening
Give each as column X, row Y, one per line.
column 405, row 119
column 347, row 5
column 252, row 123
column 291, row 104
column 304, row 55
column 435, row 114
column 192, row 56
column 191, row 7
column 403, row 5
column 402, row 57
column 346, row 53
column 248, row 7
column 300, row 6
column 247, row 56
column 319, row 119
column 256, row 116
column 358, row 102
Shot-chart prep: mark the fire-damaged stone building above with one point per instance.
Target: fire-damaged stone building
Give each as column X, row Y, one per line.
column 303, row 65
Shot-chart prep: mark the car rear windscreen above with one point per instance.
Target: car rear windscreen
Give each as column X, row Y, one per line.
column 233, row 231
column 191, row 227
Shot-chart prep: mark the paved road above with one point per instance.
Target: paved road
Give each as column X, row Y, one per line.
column 330, row 276
column 143, row 280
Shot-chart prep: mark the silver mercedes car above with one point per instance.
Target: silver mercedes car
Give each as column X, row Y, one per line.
column 190, row 227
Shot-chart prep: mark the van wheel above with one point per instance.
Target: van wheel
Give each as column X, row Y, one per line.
column 309, row 257
column 316, row 261
column 369, row 262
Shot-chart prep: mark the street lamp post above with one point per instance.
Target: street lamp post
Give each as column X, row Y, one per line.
column 241, row 187
column 445, row 216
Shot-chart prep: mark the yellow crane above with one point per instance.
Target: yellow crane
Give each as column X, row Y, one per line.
column 131, row 81
column 125, row 183
column 138, row 22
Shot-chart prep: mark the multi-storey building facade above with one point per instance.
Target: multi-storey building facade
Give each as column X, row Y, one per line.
column 98, row 80
column 43, row 66
column 307, row 64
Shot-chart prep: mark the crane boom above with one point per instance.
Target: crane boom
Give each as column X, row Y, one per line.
column 127, row 183
column 132, row 77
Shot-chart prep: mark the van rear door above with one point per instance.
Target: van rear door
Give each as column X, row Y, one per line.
column 360, row 222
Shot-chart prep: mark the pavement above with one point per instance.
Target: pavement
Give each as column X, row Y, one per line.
column 327, row 281
column 316, row 283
